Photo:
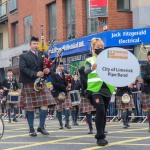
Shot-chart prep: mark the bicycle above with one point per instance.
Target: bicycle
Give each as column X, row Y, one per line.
column 1, row 127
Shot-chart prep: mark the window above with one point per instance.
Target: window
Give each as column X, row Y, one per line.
column 12, row 5
column 52, row 23
column 15, row 33
column 1, row 41
column 70, row 18
column 123, row 5
column 27, row 29
column 92, row 23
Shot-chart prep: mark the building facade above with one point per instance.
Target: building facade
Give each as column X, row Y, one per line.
column 63, row 21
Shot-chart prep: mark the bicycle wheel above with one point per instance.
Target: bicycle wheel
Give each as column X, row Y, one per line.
column 1, row 128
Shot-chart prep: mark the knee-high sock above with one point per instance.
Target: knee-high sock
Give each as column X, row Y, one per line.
column 43, row 114
column 30, row 119
column 73, row 116
column 76, row 115
column 15, row 111
column 9, row 113
column 67, row 114
column 124, row 118
column 89, row 117
column 59, row 117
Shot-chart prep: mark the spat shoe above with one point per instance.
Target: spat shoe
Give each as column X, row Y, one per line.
column 15, row 120
column 67, row 126
column 43, row 131
column 90, row 131
column 32, row 133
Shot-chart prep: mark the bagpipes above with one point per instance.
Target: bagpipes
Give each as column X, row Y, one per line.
column 47, row 62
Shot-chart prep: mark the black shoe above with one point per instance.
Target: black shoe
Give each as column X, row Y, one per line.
column 43, row 131
column 91, row 131
column 102, row 142
column 76, row 124
column 61, row 126
column 15, row 120
column 128, row 125
column 67, row 126
column 125, row 126
column 105, row 132
column 32, row 132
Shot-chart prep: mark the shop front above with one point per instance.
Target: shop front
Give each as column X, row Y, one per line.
column 75, row 50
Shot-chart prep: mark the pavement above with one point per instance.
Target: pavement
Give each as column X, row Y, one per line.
column 16, row 137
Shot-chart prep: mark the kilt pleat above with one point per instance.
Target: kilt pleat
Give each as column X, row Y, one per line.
column 145, row 102
column 85, row 106
column 121, row 105
column 33, row 99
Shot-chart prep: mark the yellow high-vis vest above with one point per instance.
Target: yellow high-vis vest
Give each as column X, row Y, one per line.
column 94, row 82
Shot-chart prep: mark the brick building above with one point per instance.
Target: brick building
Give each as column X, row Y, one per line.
column 67, row 17
column 63, row 20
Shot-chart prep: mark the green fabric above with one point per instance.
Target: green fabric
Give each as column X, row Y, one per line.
column 95, row 86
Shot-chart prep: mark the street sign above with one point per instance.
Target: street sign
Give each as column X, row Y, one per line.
column 98, row 8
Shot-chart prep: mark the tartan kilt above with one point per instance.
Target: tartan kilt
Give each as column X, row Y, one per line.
column 63, row 105
column 8, row 105
column 33, row 99
column 85, row 106
column 145, row 102
column 120, row 105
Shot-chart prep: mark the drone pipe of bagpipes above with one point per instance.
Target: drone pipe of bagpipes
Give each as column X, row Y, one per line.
column 58, row 55
column 143, row 45
column 71, row 66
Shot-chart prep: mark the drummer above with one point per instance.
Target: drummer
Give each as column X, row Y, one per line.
column 60, row 86
column 6, row 83
column 75, row 85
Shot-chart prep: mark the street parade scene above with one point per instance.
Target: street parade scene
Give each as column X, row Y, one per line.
column 74, row 74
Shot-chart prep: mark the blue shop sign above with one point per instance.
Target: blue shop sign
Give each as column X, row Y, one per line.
column 119, row 38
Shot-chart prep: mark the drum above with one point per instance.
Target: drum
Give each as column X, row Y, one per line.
column 75, row 97
column 13, row 97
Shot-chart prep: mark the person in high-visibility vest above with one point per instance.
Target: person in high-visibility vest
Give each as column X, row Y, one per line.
column 100, row 91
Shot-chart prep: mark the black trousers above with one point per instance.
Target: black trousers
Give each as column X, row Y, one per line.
column 101, row 105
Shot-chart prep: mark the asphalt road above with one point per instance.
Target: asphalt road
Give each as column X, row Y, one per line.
column 16, row 137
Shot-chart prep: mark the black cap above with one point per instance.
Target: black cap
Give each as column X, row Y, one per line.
column 148, row 53
column 9, row 70
column 34, row 39
column 59, row 63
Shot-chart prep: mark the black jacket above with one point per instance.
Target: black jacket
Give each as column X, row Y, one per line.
column 123, row 90
column 59, row 84
column 29, row 65
column 76, row 85
column 145, row 72
column 7, row 84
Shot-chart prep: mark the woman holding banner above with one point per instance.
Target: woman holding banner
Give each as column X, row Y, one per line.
column 100, row 91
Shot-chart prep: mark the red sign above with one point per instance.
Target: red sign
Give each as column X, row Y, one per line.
column 98, row 3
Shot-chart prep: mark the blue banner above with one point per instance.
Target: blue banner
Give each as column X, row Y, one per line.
column 119, row 38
